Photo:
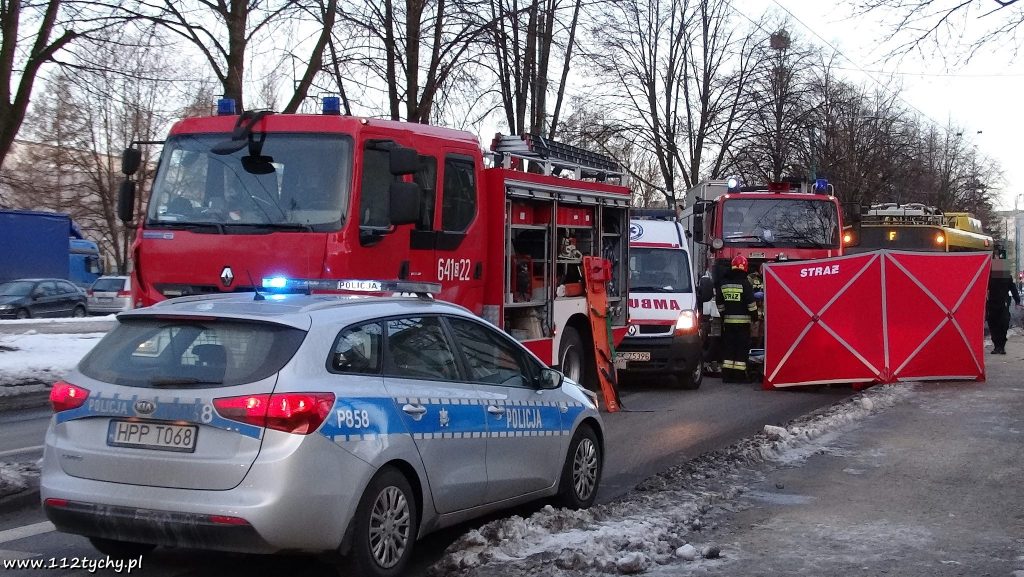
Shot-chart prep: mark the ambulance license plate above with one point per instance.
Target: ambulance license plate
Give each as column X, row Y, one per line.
column 147, row 435
column 633, row 356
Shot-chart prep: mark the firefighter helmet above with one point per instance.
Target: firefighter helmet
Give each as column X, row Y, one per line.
column 739, row 261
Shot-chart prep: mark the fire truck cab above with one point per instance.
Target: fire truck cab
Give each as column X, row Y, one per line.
column 238, row 198
column 664, row 325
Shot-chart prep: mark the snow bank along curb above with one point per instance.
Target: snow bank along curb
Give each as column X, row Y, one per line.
column 19, row 485
column 651, row 525
column 30, row 362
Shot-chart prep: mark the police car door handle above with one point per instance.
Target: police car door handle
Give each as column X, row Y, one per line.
column 495, row 410
column 414, row 409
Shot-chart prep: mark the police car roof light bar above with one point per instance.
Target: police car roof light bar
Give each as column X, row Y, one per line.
column 307, row 286
column 554, row 156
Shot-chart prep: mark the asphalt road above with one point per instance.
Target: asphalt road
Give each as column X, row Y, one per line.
column 659, row 428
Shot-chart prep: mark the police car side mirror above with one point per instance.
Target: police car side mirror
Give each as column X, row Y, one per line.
column 549, row 379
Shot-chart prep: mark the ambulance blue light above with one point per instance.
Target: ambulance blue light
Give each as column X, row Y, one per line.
column 226, row 107
column 821, row 184
column 277, row 282
column 332, row 105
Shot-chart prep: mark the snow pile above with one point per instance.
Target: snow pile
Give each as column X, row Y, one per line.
column 31, row 361
column 14, row 477
column 655, row 523
column 60, row 320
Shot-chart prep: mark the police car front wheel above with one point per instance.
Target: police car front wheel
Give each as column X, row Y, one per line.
column 581, row 473
column 385, row 526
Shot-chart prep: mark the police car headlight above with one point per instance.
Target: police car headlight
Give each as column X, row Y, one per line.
column 687, row 322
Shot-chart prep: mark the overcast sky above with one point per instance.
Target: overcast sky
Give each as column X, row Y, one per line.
column 982, row 95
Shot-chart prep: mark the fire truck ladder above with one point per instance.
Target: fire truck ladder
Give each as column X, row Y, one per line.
column 598, row 273
column 554, row 157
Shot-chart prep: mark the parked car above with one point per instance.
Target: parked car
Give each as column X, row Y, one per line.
column 314, row 424
column 110, row 294
column 41, row 297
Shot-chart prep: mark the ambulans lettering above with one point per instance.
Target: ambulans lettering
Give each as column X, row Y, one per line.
column 453, row 269
column 524, row 419
column 657, row 304
column 819, row 271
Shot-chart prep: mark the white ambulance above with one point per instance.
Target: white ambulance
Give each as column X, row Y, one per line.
column 664, row 325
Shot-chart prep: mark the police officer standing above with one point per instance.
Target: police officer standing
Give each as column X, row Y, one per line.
column 735, row 299
column 997, row 310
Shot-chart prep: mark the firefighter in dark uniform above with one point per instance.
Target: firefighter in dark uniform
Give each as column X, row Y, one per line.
column 735, row 299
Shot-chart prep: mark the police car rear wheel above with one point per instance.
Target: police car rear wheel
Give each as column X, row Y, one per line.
column 120, row 549
column 582, row 470
column 385, row 526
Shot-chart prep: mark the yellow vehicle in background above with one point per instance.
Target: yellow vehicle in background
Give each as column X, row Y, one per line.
column 915, row 227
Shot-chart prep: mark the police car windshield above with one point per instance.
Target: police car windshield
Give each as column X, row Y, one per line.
column 153, row 353
column 659, row 270
column 298, row 182
column 783, row 222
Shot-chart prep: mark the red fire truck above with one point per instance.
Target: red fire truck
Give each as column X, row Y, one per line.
column 773, row 223
column 241, row 197
column 779, row 222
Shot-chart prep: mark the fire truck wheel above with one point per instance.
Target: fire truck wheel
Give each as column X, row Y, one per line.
column 572, row 356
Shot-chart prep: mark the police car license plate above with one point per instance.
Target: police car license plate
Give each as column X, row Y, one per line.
column 633, row 356
column 146, row 435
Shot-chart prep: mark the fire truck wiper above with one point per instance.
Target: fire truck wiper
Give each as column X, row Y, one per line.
column 274, row 226
column 190, row 226
column 747, row 238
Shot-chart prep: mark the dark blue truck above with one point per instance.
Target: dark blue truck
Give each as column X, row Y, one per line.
column 45, row 245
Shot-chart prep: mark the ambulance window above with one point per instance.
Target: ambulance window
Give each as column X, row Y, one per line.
column 426, row 177
column 377, row 180
column 458, row 203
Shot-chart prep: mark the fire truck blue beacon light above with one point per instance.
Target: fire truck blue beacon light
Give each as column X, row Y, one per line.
column 226, row 107
column 332, row 105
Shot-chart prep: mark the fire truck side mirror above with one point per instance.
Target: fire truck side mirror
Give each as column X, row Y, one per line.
column 404, row 160
column 698, row 227
column 126, row 201
column 404, row 203
column 131, row 158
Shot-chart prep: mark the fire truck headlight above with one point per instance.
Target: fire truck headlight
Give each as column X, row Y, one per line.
column 687, row 322
column 847, row 238
column 717, row 244
column 939, row 239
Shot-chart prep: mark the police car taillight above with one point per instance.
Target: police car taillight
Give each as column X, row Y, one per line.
column 65, row 396
column 686, row 323
column 297, row 413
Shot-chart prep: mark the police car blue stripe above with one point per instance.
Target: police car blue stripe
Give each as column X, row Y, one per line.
column 192, row 411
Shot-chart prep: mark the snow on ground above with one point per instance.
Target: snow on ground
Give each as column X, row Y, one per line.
column 61, row 320
column 14, row 477
column 31, row 361
column 652, row 525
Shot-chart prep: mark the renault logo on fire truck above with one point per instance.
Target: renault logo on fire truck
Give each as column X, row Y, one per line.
column 226, row 276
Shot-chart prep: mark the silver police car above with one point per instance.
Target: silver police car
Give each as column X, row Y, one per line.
column 309, row 423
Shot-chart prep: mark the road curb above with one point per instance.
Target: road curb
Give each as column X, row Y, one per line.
column 22, row 499
column 32, row 400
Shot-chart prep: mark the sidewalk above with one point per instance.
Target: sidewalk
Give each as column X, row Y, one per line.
column 931, row 487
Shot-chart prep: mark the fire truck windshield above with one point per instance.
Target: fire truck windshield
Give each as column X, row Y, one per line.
column 780, row 222
column 294, row 182
column 659, row 270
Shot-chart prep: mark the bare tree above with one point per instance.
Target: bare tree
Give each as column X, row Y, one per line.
column 415, row 49
column 31, row 35
column 523, row 42
column 223, row 32
column 73, row 163
column 965, row 25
